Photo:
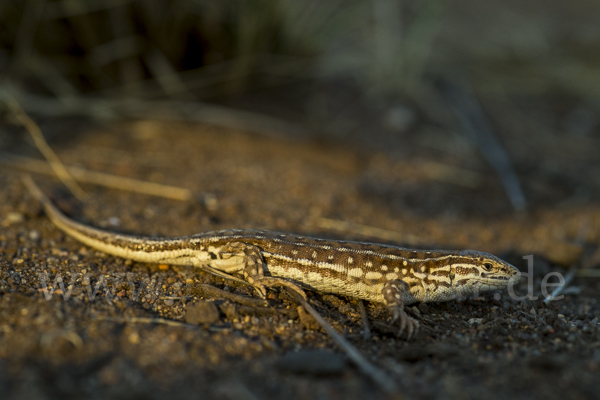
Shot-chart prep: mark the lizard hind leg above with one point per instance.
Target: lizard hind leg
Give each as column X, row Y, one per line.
column 254, row 271
column 392, row 297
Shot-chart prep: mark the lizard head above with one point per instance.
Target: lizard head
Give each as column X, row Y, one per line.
column 476, row 271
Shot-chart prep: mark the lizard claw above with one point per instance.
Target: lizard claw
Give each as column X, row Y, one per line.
column 392, row 297
column 403, row 322
column 413, row 327
column 407, row 323
column 295, row 291
column 411, row 324
column 260, row 288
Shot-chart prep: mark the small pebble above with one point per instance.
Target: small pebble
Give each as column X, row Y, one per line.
column 210, row 201
column 134, row 338
column 114, row 221
column 34, row 235
column 13, row 218
column 203, row 312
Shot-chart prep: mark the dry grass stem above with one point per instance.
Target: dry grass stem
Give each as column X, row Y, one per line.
column 588, row 273
column 451, row 174
column 166, row 110
column 65, row 9
column 40, row 142
column 365, row 320
column 568, row 278
column 375, row 374
column 100, row 178
column 478, row 129
column 24, row 41
column 167, row 77
column 141, row 320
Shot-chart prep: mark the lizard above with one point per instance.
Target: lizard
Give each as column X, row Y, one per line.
column 387, row 274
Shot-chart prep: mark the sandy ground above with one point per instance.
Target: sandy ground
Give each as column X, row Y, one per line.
column 132, row 330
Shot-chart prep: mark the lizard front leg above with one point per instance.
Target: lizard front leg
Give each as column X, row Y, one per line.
column 392, row 297
column 254, row 271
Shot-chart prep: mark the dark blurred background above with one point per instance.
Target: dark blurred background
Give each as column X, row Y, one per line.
column 513, row 86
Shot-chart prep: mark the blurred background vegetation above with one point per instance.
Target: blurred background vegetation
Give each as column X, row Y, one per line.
column 517, row 81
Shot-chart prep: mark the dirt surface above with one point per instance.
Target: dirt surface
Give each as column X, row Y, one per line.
column 117, row 329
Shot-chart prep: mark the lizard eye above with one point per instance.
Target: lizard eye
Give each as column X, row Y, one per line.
column 487, row 266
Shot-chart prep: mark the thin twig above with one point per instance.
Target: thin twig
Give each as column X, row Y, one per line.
column 450, row 173
column 60, row 9
column 589, row 273
column 169, row 110
column 28, row 25
column 99, row 178
column 176, row 297
column 568, row 278
column 40, row 142
column 260, row 311
column 210, row 291
column 167, row 76
column 478, row 129
column 142, row 320
column 532, row 317
column 378, row 376
column 365, row 320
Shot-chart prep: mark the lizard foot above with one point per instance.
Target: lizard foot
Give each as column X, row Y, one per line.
column 254, row 271
column 407, row 323
column 392, row 296
column 294, row 290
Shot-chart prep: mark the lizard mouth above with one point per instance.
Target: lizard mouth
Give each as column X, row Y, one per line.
column 492, row 285
column 499, row 283
column 515, row 278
